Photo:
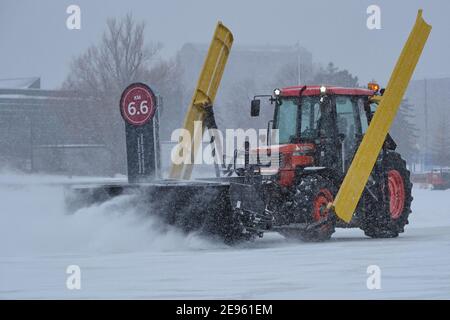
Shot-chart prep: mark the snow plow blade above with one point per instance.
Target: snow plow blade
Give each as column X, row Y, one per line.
column 203, row 98
column 201, row 206
column 364, row 160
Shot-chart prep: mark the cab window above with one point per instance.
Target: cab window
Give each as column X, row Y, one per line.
column 346, row 121
column 310, row 115
column 349, row 127
column 362, row 115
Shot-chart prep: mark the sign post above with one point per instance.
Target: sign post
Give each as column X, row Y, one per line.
column 138, row 106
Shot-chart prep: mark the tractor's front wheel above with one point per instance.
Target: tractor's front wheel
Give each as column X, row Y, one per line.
column 312, row 196
column 387, row 217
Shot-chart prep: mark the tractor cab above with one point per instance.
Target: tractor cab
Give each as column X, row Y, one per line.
column 318, row 126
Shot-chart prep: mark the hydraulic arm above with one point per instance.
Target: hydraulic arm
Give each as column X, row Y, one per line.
column 200, row 108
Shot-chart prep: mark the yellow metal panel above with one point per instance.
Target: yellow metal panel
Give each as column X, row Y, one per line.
column 204, row 95
column 354, row 182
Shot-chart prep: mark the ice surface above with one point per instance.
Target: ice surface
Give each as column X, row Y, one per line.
column 123, row 254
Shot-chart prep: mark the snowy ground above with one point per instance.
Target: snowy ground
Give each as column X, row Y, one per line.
column 123, row 255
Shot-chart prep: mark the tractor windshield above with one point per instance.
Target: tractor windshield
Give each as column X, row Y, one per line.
column 287, row 118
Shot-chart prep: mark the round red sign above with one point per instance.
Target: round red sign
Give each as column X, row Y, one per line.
column 137, row 104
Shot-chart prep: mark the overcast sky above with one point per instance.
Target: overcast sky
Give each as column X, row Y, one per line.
column 34, row 40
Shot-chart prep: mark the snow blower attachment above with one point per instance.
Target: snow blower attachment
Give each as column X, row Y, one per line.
column 337, row 166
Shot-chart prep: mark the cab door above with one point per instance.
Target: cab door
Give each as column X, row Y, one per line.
column 348, row 122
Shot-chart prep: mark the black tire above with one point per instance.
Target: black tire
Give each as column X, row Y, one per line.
column 313, row 191
column 387, row 217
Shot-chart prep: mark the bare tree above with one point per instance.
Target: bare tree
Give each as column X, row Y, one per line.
column 120, row 58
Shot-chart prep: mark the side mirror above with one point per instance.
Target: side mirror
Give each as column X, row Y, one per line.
column 254, row 111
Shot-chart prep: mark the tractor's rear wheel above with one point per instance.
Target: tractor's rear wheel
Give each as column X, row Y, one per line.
column 387, row 217
column 312, row 196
